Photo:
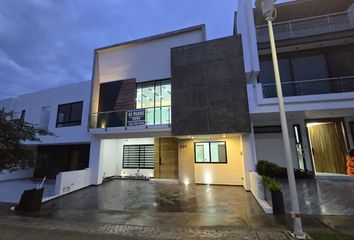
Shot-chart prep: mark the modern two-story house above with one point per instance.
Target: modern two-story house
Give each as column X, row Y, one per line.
column 180, row 107
column 170, row 106
column 316, row 57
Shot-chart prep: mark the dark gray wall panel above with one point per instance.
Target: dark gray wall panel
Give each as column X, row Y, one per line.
column 209, row 89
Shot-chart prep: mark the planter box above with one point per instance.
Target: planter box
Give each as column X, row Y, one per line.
column 31, row 200
column 275, row 199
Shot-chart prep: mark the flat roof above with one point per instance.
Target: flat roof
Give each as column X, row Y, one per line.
column 158, row 36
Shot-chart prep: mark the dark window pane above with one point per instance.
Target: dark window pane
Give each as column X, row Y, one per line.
column 341, row 63
column 64, row 113
column 69, row 114
column 266, row 74
column 310, row 67
column 76, row 112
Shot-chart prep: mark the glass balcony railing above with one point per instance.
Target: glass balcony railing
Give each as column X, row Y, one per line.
column 131, row 118
column 307, row 26
column 311, row 87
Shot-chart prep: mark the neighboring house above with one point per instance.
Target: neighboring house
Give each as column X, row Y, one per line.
column 176, row 106
column 315, row 45
column 64, row 111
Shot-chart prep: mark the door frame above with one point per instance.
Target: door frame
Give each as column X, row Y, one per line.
column 321, row 120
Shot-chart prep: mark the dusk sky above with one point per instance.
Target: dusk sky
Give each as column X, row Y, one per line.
column 48, row 43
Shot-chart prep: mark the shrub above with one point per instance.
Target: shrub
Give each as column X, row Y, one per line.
column 269, row 169
column 265, row 168
column 271, row 184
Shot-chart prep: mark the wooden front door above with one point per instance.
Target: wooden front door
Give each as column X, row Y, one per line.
column 328, row 147
column 166, row 158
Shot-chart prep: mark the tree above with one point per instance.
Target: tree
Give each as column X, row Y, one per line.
column 14, row 154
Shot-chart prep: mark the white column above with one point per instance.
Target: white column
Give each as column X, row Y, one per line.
column 95, row 163
column 249, row 157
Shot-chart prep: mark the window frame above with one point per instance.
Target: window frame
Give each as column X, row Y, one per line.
column 154, row 84
column 210, row 162
column 139, row 146
column 71, row 123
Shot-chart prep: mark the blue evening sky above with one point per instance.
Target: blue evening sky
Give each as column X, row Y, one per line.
column 48, row 43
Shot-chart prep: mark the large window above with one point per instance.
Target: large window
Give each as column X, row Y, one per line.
column 322, row 63
column 155, row 97
column 69, row 114
column 138, row 156
column 210, row 152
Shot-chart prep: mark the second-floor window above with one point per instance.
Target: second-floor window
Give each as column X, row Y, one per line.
column 155, row 97
column 69, row 114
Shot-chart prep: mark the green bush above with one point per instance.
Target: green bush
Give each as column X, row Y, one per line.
column 271, row 184
column 265, row 168
column 269, row 169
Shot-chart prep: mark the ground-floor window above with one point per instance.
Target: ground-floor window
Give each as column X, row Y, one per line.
column 138, row 156
column 210, row 152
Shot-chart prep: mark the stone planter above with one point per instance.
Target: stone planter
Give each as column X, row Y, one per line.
column 31, row 200
column 275, row 199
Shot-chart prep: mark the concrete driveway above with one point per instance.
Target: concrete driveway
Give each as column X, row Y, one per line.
column 149, row 204
column 139, row 208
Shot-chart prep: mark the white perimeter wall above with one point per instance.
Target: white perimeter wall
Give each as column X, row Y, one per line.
column 148, row 60
column 111, row 156
column 72, row 180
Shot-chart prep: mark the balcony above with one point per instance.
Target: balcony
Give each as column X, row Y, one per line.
column 132, row 118
column 311, row 87
column 308, row 26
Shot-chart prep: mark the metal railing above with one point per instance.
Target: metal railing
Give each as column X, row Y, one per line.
column 153, row 116
column 307, row 26
column 311, row 87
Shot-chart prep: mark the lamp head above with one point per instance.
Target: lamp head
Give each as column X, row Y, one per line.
column 267, row 7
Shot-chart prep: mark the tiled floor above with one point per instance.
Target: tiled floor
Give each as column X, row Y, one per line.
column 323, row 197
column 10, row 191
column 120, row 195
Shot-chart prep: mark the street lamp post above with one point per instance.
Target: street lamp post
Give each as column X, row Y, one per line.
column 268, row 12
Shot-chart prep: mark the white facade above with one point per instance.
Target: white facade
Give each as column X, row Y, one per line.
column 41, row 108
column 145, row 60
column 300, row 109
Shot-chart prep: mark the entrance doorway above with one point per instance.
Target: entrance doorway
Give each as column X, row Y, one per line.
column 328, row 145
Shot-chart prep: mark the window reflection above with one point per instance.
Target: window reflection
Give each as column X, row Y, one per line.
column 155, row 97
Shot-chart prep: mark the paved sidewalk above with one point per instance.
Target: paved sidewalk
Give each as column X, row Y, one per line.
column 38, row 228
column 258, row 227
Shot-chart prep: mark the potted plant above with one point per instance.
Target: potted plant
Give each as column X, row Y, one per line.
column 273, row 194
